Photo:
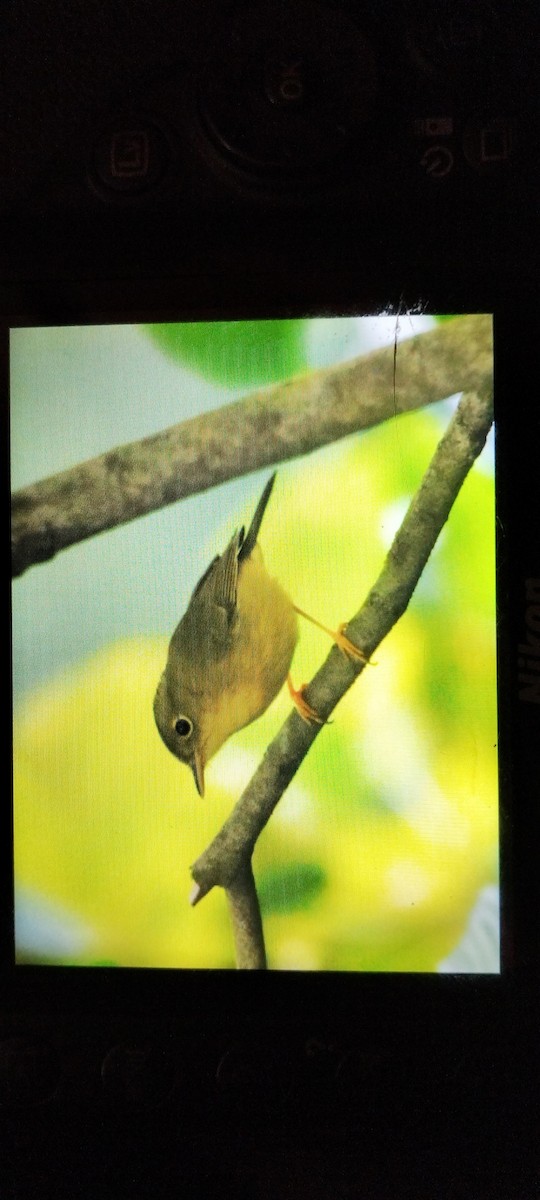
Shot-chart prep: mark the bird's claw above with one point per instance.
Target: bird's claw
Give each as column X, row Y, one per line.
column 302, row 707
column 347, row 647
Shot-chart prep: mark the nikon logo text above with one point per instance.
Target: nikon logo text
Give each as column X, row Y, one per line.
column 529, row 650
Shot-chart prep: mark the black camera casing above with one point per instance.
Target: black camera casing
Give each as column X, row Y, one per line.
column 237, row 160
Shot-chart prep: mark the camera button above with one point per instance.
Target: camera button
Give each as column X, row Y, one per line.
column 130, row 158
column 488, row 143
column 137, row 1074
column 248, row 1077
column 292, row 90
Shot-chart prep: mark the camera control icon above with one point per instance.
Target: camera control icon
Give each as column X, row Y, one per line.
column 130, row 154
column 130, row 158
column 437, row 161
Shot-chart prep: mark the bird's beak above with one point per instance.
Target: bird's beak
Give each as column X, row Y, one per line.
column 197, row 766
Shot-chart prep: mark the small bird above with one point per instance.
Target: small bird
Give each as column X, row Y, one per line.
column 231, row 652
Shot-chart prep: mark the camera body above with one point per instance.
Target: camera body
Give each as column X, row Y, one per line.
column 144, row 146
column 234, row 161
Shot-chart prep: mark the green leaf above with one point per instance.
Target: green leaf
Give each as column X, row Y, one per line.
column 235, row 353
column 289, row 887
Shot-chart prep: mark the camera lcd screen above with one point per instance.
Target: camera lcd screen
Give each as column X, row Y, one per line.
column 139, row 453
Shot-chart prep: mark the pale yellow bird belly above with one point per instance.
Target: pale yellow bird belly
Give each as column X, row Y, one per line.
column 263, row 644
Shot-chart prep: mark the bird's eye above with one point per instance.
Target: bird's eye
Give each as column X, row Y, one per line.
column 183, row 727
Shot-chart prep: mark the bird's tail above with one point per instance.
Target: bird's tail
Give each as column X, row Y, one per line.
column 253, row 531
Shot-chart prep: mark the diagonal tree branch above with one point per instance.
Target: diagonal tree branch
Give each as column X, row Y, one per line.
column 225, row 861
column 265, row 427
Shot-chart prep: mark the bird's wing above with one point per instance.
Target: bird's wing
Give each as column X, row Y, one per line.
column 222, row 581
column 204, row 577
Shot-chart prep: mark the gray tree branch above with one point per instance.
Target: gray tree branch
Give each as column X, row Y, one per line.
column 226, row 859
column 246, row 919
column 265, row 427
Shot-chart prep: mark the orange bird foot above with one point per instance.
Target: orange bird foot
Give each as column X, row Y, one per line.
column 303, row 708
column 345, row 645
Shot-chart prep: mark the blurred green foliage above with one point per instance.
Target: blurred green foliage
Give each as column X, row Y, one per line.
column 376, row 853
column 239, row 353
column 288, row 886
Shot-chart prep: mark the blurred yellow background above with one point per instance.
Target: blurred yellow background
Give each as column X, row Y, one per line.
column 377, row 852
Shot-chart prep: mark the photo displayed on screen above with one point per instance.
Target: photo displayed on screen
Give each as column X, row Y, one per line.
column 234, row 508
